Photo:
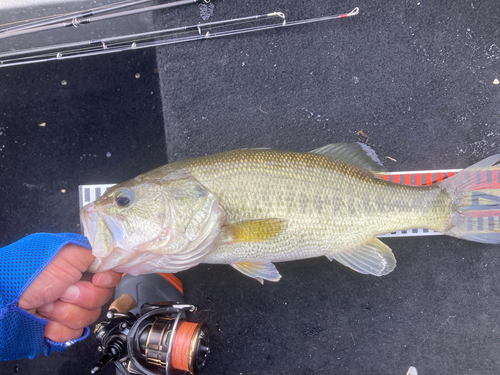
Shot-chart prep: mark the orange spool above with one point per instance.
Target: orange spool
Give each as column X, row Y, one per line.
column 182, row 345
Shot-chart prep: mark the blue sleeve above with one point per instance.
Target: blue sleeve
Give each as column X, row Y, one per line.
column 21, row 333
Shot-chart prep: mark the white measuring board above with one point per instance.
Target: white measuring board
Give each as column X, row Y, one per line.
column 89, row 193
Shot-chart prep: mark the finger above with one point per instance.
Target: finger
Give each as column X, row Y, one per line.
column 69, row 315
column 79, row 257
column 60, row 333
column 64, row 270
column 108, row 279
column 85, row 294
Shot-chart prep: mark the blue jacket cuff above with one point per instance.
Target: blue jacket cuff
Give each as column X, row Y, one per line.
column 21, row 333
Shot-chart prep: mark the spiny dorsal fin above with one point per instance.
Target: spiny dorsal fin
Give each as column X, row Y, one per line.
column 373, row 257
column 254, row 230
column 357, row 154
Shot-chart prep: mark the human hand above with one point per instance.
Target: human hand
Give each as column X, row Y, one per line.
column 66, row 296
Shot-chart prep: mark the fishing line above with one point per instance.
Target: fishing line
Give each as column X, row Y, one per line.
column 42, row 21
column 155, row 38
column 183, row 342
column 87, row 18
column 157, row 340
column 109, row 43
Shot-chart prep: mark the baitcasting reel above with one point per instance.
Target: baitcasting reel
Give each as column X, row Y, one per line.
column 157, row 340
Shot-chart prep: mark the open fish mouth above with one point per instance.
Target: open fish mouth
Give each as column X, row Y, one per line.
column 89, row 216
column 107, row 239
column 100, row 237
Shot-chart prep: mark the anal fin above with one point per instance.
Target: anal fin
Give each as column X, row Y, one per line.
column 373, row 257
column 258, row 271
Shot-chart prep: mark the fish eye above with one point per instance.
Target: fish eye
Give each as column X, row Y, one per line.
column 122, row 201
column 123, row 198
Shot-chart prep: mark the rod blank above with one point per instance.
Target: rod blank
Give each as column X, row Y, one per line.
column 156, row 38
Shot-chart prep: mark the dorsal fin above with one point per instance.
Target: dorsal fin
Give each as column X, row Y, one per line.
column 357, row 154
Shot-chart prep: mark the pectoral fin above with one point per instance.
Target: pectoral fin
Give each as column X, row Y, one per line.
column 258, row 271
column 254, row 230
column 373, row 257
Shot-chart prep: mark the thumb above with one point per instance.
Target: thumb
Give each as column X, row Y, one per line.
column 74, row 256
column 65, row 269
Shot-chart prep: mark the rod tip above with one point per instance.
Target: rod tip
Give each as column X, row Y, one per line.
column 353, row 12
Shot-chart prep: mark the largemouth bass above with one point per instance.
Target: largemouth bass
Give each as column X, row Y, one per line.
column 252, row 207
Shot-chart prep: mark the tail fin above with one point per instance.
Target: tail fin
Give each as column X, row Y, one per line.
column 475, row 192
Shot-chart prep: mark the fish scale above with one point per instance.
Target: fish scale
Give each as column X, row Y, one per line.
column 249, row 208
column 330, row 206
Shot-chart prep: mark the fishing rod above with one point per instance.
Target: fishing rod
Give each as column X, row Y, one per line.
column 88, row 17
column 112, row 42
column 42, row 21
column 157, row 38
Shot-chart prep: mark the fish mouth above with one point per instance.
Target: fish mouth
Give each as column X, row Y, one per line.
column 89, row 217
column 100, row 236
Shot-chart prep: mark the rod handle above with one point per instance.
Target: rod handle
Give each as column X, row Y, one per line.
column 123, row 304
